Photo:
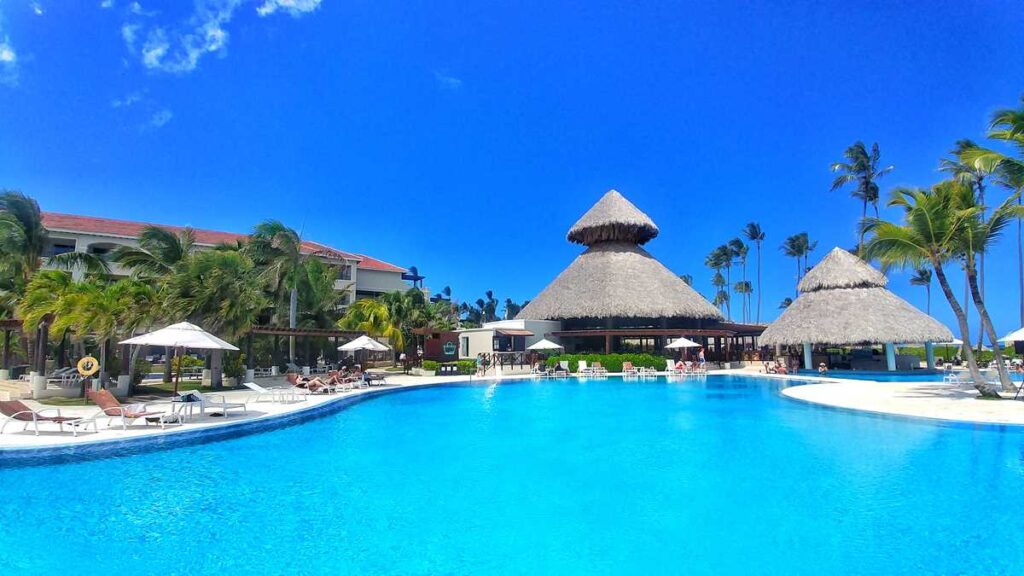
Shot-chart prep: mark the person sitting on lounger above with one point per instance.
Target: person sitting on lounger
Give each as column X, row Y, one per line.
column 314, row 384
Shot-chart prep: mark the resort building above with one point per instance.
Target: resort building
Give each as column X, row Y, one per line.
column 359, row 275
column 616, row 297
column 843, row 302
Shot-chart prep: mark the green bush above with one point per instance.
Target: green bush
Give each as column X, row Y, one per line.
column 234, row 365
column 430, row 365
column 186, row 362
column 610, row 362
column 464, row 366
column 142, row 368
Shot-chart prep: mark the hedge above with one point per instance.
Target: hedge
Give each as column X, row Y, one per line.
column 464, row 366
column 610, row 362
column 430, row 365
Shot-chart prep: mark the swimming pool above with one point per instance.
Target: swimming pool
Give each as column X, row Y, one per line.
column 703, row 476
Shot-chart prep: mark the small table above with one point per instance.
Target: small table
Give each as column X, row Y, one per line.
column 185, row 409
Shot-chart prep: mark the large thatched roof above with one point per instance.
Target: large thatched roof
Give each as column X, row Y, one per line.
column 617, row 279
column 844, row 301
column 613, row 219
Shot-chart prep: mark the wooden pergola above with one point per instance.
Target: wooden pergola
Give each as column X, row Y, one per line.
column 298, row 333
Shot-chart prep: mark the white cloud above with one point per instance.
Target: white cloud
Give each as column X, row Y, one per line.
column 128, row 100
column 37, row 8
column 8, row 59
column 448, row 82
column 107, row 4
column 160, row 118
column 294, row 7
column 178, row 48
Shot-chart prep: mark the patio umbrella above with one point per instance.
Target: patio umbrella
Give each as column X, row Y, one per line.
column 364, row 343
column 954, row 342
column 1015, row 336
column 544, row 344
column 682, row 343
column 179, row 336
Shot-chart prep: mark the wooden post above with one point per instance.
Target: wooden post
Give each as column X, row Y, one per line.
column 44, row 333
column 7, row 350
column 607, row 343
column 807, row 357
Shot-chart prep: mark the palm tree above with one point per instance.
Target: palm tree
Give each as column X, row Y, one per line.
column 277, row 250
column 159, row 250
column 861, row 169
column 721, row 296
column 926, row 236
column 923, row 277
column 786, row 302
column 22, row 237
column 1006, row 126
column 219, row 290
column 739, row 250
column 720, row 259
column 752, row 231
column 974, row 236
column 744, row 287
column 373, row 317
column 686, row 278
column 973, row 174
column 795, row 247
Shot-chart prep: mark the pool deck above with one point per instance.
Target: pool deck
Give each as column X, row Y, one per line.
column 50, row 436
column 933, row 400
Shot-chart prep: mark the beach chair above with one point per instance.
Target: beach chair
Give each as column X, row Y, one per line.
column 598, row 370
column 274, row 394
column 629, row 370
column 582, row 368
column 539, row 369
column 374, row 379
column 111, row 408
column 670, row 368
column 213, row 402
column 17, row 411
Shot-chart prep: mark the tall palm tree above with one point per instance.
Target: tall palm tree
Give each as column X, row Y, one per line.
column 1006, row 126
column 218, row 289
column 786, row 302
column 740, row 250
column 277, row 251
column 795, row 247
column 862, row 170
column 744, row 288
column 752, row 231
column 974, row 237
column 721, row 296
column 686, row 278
column 925, row 236
column 373, row 317
column 923, row 277
column 973, row 174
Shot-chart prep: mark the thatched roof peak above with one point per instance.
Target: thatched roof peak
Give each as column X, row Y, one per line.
column 613, row 219
column 840, row 269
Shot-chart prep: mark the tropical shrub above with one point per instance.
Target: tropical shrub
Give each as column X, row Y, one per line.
column 611, row 362
column 234, row 365
column 430, row 365
column 142, row 368
column 464, row 366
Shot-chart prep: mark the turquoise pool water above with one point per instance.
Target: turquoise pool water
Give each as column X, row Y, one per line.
column 712, row 476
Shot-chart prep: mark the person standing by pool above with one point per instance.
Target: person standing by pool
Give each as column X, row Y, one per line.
column 479, row 364
column 700, row 356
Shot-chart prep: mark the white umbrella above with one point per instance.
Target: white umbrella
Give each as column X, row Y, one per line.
column 364, row 343
column 1015, row 336
column 181, row 335
column 953, row 342
column 544, row 344
column 682, row 343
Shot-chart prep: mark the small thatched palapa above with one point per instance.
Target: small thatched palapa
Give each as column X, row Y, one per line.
column 616, row 278
column 613, row 219
column 844, row 302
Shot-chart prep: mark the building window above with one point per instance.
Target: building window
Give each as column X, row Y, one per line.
column 464, row 346
column 60, row 247
column 345, row 272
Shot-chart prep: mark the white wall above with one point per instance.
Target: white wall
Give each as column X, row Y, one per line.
column 481, row 340
column 379, row 281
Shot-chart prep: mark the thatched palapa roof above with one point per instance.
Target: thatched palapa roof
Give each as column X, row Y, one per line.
column 843, row 301
column 615, row 277
column 613, row 219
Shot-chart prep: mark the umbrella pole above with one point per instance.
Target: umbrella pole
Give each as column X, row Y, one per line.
column 177, row 377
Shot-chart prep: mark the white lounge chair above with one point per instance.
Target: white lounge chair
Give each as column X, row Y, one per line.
column 213, row 402
column 629, row 371
column 16, row 411
column 670, row 368
column 274, row 393
column 582, row 368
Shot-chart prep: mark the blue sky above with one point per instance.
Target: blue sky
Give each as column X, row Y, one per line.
column 466, row 138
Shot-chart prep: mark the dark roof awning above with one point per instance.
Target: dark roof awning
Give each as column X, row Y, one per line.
column 513, row 332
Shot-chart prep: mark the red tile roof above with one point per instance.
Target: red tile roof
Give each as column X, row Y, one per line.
column 125, row 228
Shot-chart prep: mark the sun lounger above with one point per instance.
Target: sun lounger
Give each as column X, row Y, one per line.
column 274, row 394
column 670, row 368
column 597, row 370
column 213, row 402
column 582, row 369
column 111, row 408
column 629, row 370
column 17, row 411
column 374, row 379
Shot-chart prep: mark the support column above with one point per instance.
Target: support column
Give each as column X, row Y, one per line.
column 807, row 357
column 607, row 343
column 890, row 356
column 7, row 350
column 216, row 370
column 929, row 353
